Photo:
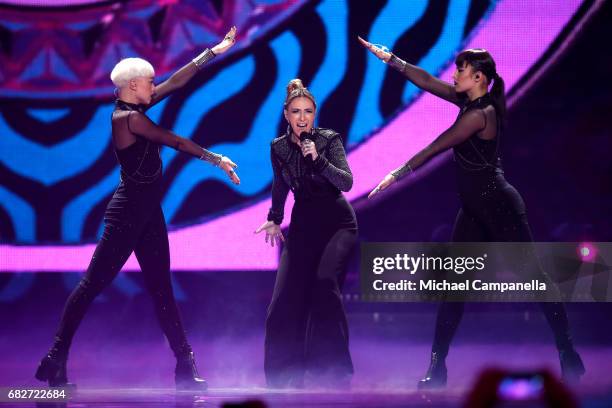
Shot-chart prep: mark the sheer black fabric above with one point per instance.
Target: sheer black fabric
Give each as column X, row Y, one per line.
column 491, row 208
column 472, row 137
column 426, row 81
column 134, row 221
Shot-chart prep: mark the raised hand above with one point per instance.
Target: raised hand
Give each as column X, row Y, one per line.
column 273, row 232
column 226, row 44
column 228, row 166
column 386, row 182
column 381, row 53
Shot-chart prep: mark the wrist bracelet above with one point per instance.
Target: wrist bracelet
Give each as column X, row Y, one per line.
column 397, row 63
column 402, row 171
column 211, row 157
column 203, row 58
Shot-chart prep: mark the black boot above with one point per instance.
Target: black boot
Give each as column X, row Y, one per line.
column 52, row 368
column 436, row 374
column 572, row 367
column 186, row 374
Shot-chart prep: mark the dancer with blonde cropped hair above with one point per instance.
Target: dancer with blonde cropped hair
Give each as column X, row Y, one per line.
column 134, row 221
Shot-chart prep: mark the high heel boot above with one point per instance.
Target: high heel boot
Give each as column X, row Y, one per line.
column 186, row 374
column 572, row 367
column 436, row 374
column 52, row 368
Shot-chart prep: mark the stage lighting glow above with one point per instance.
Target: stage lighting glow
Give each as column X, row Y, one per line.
column 521, row 389
column 587, row 251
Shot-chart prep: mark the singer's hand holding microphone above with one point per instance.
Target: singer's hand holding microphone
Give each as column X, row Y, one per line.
column 309, row 149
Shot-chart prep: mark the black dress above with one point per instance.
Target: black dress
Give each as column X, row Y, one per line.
column 306, row 326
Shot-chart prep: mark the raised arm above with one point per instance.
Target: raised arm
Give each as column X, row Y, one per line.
column 416, row 75
column 179, row 78
column 138, row 123
column 335, row 168
column 425, row 80
column 470, row 123
column 184, row 74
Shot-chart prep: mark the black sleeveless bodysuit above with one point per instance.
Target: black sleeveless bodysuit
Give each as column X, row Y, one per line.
column 491, row 208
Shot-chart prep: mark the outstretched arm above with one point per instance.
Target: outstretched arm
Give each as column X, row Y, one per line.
column 416, row 75
column 141, row 125
column 178, row 79
column 425, row 80
column 184, row 74
column 470, row 123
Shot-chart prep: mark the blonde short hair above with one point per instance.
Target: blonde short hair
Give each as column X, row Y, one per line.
column 130, row 68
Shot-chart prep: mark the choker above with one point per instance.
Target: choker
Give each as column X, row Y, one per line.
column 122, row 105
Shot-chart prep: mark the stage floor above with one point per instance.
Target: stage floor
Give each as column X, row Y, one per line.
column 119, row 357
column 140, row 375
column 261, row 397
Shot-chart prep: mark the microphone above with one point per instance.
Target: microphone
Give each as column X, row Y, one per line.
column 304, row 136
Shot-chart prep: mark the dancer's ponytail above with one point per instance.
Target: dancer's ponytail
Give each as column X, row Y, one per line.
column 481, row 61
column 498, row 95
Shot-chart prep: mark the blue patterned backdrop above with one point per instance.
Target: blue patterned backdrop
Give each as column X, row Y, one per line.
column 57, row 164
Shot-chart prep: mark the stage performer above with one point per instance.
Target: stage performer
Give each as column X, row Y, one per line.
column 306, row 326
column 491, row 210
column 134, row 221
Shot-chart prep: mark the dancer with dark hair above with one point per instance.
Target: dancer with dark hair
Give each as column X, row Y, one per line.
column 134, row 221
column 491, row 208
column 306, row 327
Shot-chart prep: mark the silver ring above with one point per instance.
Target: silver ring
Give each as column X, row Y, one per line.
column 381, row 47
column 231, row 171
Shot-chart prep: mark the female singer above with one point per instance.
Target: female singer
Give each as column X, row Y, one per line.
column 306, row 327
